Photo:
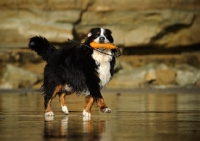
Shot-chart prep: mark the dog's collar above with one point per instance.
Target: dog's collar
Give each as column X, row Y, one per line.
column 101, row 49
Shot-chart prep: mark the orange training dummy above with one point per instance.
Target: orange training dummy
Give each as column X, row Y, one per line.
column 106, row 45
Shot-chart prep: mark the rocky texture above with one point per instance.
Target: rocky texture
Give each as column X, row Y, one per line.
column 16, row 33
column 187, row 75
column 157, row 71
column 161, row 23
column 141, row 23
column 136, row 25
column 15, row 77
column 165, row 75
column 155, row 76
column 129, row 77
column 167, row 27
column 24, row 69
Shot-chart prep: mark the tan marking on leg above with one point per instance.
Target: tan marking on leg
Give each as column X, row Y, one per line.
column 89, row 103
column 62, row 103
column 62, row 99
column 57, row 89
column 48, row 109
column 101, row 104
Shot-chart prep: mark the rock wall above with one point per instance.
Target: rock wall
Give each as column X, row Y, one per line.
column 24, row 69
column 160, row 23
column 137, row 25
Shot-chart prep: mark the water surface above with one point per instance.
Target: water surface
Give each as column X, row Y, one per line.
column 136, row 115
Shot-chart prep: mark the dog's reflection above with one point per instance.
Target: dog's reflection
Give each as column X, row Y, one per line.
column 74, row 128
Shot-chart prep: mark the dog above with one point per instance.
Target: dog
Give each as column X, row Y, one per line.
column 71, row 69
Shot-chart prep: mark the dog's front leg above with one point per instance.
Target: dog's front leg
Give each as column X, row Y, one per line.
column 102, row 106
column 48, row 110
column 88, row 106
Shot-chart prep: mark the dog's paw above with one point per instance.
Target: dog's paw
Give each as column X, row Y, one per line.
column 106, row 110
column 48, row 118
column 65, row 110
column 85, row 113
column 49, row 113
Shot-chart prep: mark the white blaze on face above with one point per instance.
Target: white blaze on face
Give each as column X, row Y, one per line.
column 102, row 31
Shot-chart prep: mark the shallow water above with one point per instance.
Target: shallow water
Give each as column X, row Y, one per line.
column 135, row 116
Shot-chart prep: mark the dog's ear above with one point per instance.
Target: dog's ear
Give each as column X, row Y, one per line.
column 89, row 34
column 88, row 39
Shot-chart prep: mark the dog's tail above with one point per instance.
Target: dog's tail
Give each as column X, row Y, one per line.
column 42, row 47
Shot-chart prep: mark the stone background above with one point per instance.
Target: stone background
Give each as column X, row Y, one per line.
column 163, row 23
column 157, row 37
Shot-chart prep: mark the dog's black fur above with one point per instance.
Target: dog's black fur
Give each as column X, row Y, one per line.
column 71, row 66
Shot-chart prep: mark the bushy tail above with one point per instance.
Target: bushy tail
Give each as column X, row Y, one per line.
column 42, row 47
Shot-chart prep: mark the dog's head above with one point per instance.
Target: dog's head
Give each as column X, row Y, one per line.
column 99, row 35
column 101, row 38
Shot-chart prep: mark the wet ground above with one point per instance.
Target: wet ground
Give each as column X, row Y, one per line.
column 136, row 116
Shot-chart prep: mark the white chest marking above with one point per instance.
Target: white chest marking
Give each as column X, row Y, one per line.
column 103, row 62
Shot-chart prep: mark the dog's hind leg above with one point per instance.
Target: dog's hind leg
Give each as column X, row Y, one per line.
column 88, row 106
column 48, row 111
column 63, row 104
column 48, row 99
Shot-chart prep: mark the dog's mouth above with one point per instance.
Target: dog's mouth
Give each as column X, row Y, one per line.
column 102, row 42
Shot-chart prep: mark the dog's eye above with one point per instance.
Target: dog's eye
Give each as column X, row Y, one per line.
column 97, row 35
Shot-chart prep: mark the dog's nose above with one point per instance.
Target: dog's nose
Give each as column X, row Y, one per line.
column 101, row 39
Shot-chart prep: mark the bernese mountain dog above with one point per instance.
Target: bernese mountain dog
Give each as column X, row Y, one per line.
column 82, row 70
